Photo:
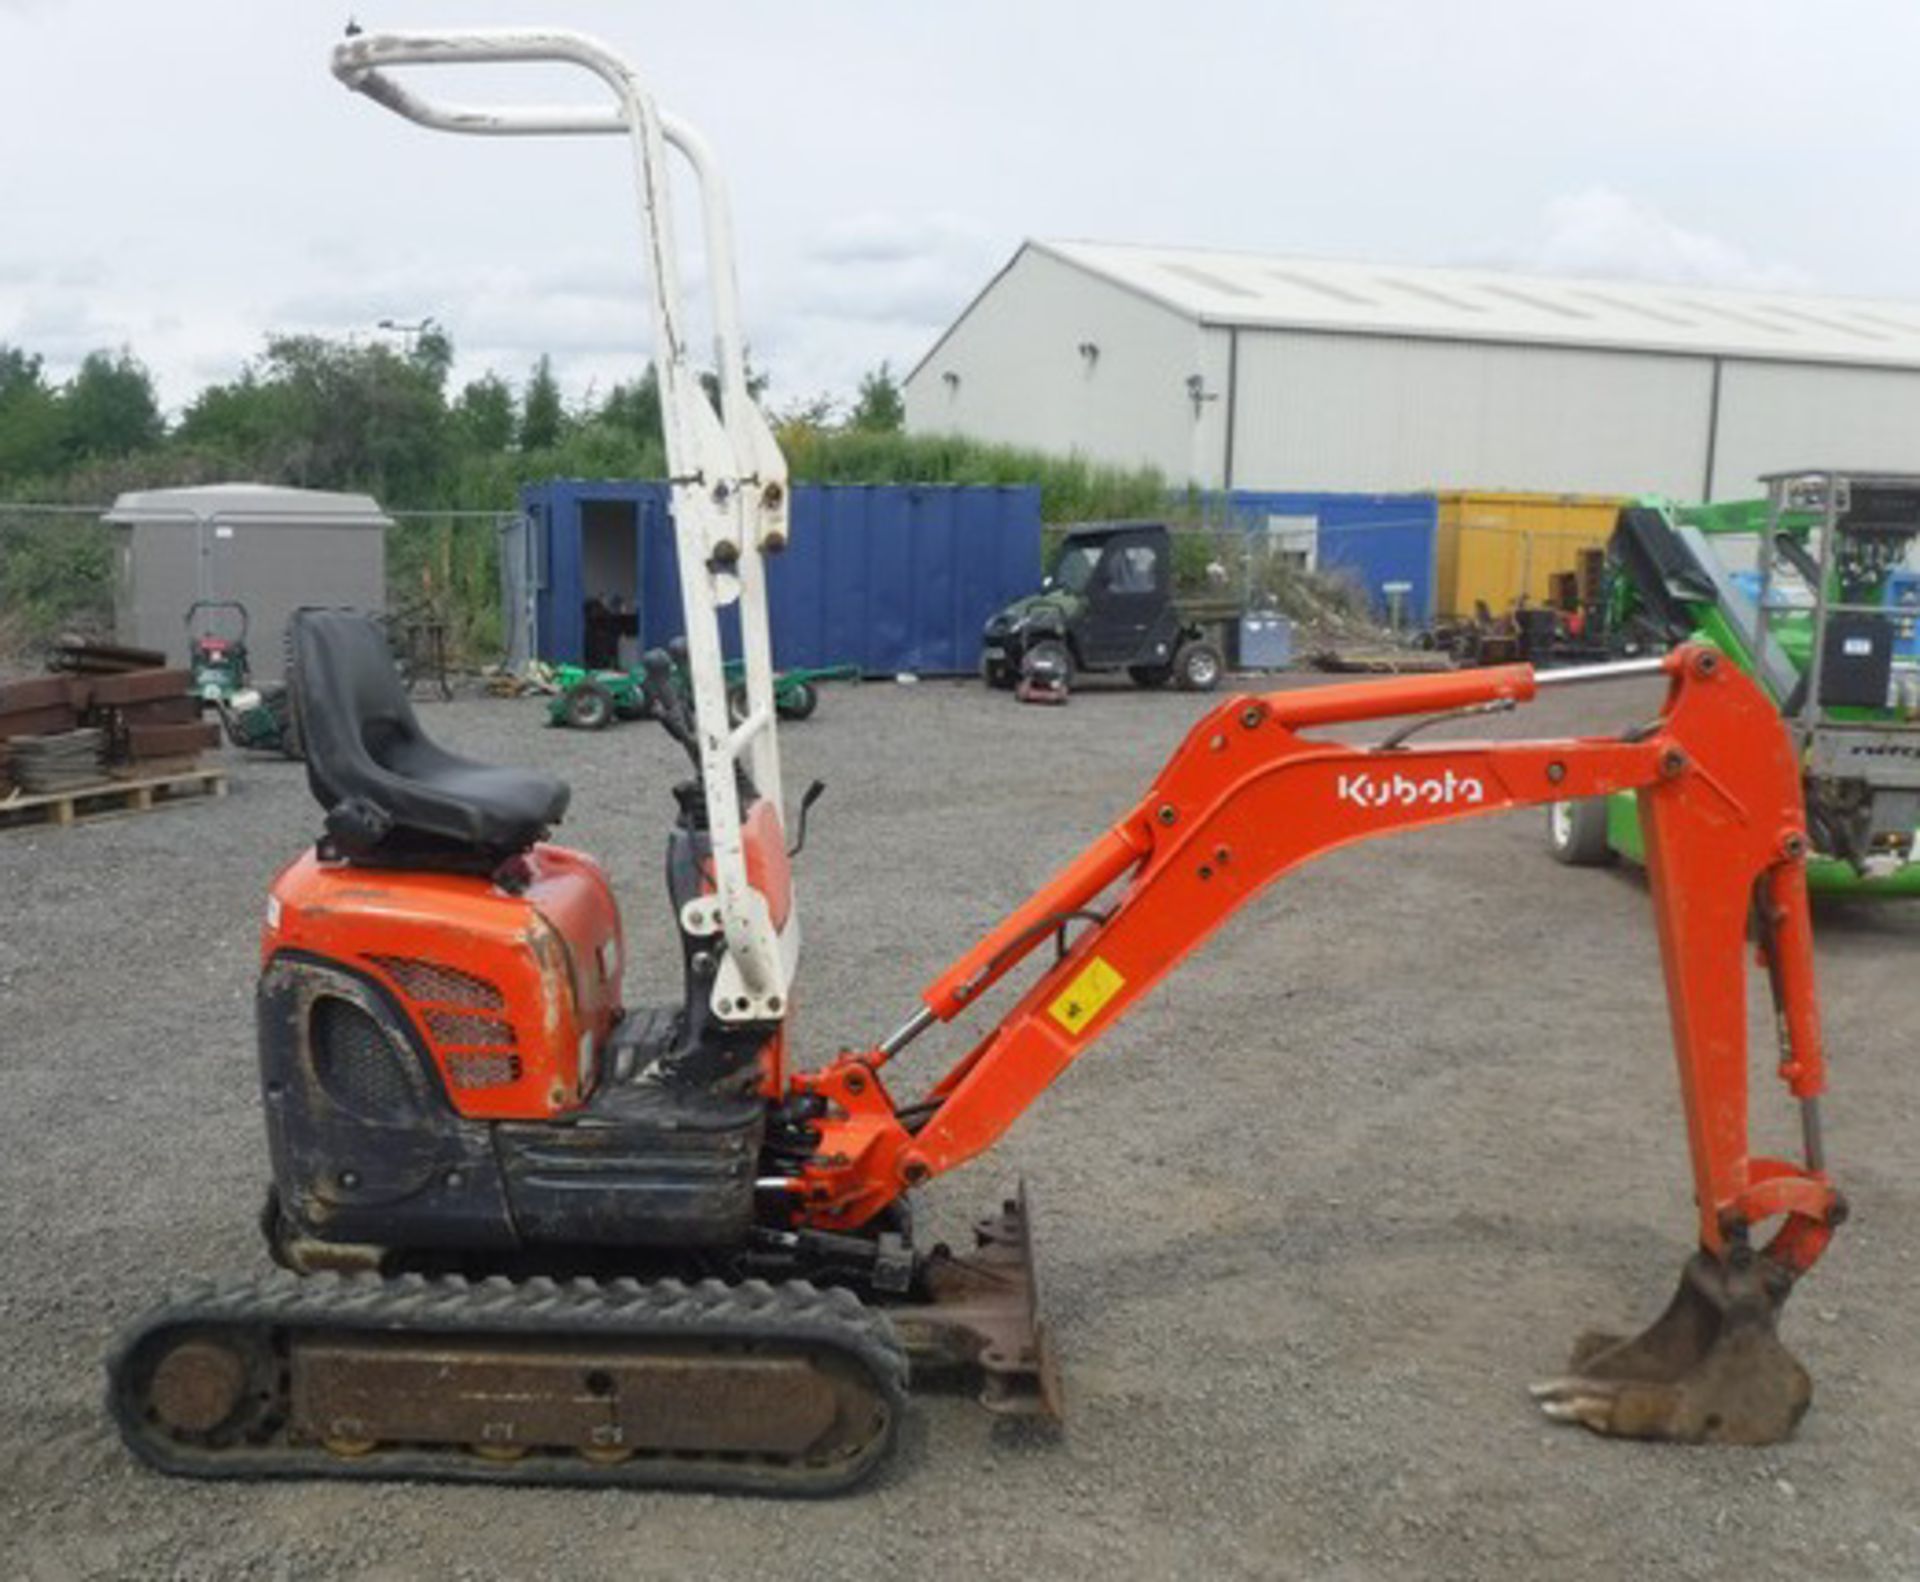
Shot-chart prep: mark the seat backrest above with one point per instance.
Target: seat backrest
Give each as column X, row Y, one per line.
column 394, row 797
column 348, row 697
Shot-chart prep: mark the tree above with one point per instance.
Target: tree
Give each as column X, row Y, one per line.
column 483, row 415
column 635, row 408
column 332, row 414
column 20, row 370
column 361, row 416
column 811, row 413
column 241, row 420
column 879, row 408
column 432, row 353
column 32, row 424
column 109, row 408
column 540, row 411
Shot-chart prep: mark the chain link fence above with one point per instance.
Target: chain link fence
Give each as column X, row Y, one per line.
column 1225, row 567
column 60, row 572
column 58, row 569
column 443, row 571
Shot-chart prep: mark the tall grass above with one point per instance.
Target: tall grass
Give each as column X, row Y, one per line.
column 1072, row 489
column 57, row 573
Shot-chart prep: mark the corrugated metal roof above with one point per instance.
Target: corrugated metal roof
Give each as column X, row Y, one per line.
column 1489, row 305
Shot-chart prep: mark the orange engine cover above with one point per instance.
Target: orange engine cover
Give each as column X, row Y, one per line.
column 512, row 993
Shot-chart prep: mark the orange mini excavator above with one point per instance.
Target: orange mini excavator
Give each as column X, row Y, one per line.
column 530, row 1234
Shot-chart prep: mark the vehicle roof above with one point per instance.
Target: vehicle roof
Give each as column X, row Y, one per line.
column 1108, row 529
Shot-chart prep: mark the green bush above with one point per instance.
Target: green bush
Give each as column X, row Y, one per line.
column 56, row 575
column 373, row 415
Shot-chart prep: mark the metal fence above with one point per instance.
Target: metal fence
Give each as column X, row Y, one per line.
column 60, row 571
column 444, row 571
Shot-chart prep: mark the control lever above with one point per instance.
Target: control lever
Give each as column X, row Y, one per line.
column 811, row 795
column 663, row 695
column 1794, row 553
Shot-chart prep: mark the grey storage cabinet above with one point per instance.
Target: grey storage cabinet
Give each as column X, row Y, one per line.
column 272, row 549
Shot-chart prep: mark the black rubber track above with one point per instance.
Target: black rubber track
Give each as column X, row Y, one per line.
column 792, row 1315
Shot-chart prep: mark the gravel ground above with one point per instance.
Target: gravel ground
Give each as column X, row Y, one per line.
column 1309, row 1220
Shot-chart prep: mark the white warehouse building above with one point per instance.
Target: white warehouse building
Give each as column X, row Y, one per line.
column 1240, row 371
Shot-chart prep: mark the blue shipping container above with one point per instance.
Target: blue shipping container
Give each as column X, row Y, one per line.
column 1379, row 541
column 893, row 577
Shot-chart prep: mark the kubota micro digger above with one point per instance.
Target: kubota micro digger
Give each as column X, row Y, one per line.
column 532, row 1235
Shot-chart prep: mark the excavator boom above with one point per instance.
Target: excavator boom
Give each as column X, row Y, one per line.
column 1248, row 796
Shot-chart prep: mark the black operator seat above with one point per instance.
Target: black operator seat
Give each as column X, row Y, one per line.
column 391, row 795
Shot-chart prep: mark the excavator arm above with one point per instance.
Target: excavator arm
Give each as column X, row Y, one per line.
column 1249, row 796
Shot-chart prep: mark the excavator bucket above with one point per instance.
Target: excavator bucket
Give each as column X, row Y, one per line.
column 1711, row 1369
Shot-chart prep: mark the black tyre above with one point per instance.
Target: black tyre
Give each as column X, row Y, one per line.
column 1149, row 676
column 1198, row 667
column 589, row 707
column 997, row 673
column 1577, row 833
column 1054, row 654
column 796, row 701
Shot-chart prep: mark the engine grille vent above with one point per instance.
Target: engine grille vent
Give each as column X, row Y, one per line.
column 435, row 984
column 357, row 1065
column 482, row 1068
column 459, row 1027
column 474, row 1049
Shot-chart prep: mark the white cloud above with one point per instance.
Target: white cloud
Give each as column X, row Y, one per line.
column 877, row 186
column 1603, row 232
column 875, row 286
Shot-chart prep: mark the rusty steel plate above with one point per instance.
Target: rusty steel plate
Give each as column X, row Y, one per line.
column 505, row 1393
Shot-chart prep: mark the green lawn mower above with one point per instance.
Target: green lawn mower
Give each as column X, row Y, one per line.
column 257, row 718
column 591, row 700
column 1812, row 591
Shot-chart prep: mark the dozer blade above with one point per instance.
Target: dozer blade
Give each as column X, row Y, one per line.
column 1710, row 1370
column 981, row 1321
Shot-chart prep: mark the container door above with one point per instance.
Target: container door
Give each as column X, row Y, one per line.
column 517, row 578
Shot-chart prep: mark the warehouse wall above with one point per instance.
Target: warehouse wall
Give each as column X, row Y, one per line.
column 1326, row 411
column 1775, row 416
column 1331, row 410
column 1024, row 381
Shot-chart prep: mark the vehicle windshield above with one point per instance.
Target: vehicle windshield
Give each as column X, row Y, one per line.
column 1074, row 569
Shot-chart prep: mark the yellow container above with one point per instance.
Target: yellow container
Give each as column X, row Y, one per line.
column 1492, row 548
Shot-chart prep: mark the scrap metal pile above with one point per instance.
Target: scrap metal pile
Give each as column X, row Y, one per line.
column 106, row 713
column 45, row 765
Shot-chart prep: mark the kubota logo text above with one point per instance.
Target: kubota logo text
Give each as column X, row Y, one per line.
column 1366, row 789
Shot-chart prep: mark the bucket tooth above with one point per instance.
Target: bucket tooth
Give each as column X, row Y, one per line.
column 1710, row 1370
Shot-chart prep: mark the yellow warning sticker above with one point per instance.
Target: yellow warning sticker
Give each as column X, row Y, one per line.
column 1096, row 984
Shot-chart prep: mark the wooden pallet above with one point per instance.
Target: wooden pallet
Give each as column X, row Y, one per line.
column 105, row 798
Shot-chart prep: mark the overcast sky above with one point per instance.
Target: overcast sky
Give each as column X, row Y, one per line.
column 184, row 176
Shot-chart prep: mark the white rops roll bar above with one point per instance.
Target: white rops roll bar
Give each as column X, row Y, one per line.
column 728, row 478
